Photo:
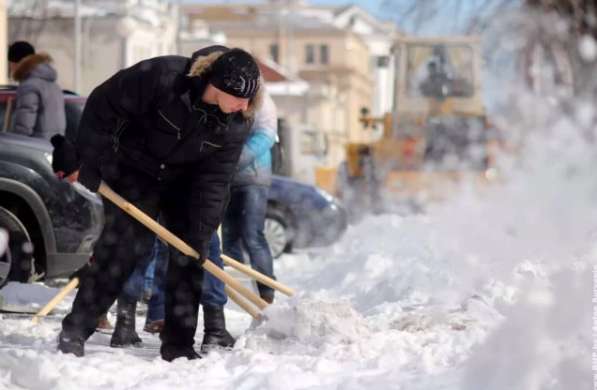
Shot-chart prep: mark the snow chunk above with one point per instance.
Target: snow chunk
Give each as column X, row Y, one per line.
column 587, row 48
column 314, row 322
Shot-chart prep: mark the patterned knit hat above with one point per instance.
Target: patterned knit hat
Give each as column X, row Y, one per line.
column 236, row 73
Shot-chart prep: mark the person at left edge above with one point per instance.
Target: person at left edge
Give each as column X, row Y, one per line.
column 166, row 134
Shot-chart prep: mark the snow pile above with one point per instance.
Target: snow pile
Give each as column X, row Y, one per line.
column 314, row 322
column 548, row 208
column 545, row 342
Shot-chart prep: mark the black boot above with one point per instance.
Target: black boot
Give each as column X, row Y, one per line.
column 71, row 344
column 215, row 334
column 266, row 293
column 170, row 352
column 124, row 332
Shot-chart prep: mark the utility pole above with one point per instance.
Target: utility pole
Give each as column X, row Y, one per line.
column 77, row 56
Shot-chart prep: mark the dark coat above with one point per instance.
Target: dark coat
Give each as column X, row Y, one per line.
column 39, row 108
column 150, row 117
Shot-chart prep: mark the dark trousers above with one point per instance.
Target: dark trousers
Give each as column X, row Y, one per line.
column 124, row 243
column 154, row 270
column 243, row 225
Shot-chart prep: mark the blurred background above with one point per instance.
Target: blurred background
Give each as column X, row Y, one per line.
column 348, row 78
column 382, row 103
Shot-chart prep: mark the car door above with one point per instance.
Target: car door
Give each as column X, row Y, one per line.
column 6, row 106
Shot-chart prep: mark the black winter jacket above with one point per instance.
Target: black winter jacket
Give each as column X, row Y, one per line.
column 150, row 117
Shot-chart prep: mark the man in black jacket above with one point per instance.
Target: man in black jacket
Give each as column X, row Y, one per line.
column 166, row 134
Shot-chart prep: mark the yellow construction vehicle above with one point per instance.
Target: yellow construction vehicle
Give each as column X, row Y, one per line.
column 436, row 133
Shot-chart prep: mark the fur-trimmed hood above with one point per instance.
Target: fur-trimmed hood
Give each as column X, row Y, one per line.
column 35, row 65
column 201, row 66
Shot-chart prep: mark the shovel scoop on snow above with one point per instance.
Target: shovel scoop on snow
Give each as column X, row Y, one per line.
column 235, row 290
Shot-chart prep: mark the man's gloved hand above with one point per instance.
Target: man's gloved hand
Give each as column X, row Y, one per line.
column 203, row 247
column 91, row 177
column 65, row 159
column 80, row 273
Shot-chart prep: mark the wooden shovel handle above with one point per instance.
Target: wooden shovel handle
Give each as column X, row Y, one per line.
column 257, row 275
column 179, row 244
column 54, row 301
column 240, row 301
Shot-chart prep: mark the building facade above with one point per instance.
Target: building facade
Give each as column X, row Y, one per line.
column 343, row 54
column 3, row 43
column 113, row 35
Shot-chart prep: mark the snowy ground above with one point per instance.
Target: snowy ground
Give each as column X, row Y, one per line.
column 484, row 292
column 487, row 290
column 358, row 322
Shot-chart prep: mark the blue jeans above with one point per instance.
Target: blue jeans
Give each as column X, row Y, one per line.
column 243, row 226
column 155, row 279
column 153, row 273
column 136, row 284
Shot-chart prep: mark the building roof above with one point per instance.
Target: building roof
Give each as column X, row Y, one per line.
column 278, row 82
column 256, row 18
column 270, row 74
column 152, row 13
column 296, row 18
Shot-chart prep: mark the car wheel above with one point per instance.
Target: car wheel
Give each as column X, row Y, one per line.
column 19, row 254
column 5, row 259
column 276, row 232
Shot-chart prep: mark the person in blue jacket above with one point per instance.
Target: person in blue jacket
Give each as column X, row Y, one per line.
column 244, row 219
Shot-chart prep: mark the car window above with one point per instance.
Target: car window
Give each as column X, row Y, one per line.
column 5, row 103
column 74, row 110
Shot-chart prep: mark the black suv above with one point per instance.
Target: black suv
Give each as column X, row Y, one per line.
column 60, row 222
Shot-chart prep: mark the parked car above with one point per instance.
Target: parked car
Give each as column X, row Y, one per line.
column 301, row 215
column 57, row 221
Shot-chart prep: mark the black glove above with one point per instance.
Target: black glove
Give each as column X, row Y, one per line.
column 64, row 157
column 80, row 273
column 90, row 176
column 203, row 247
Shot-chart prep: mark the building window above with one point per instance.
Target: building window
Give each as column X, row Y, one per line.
column 274, row 52
column 383, row 61
column 324, row 54
column 309, row 54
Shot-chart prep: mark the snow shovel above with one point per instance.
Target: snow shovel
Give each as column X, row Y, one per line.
column 54, row 301
column 171, row 239
column 176, row 242
column 232, row 294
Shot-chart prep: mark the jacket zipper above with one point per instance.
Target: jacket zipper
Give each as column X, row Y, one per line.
column 178, row 132
column 212, row 144
column 203, row 143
